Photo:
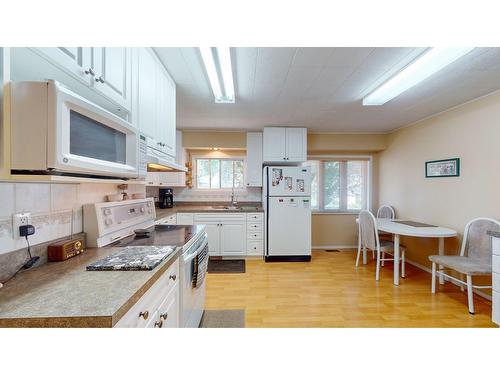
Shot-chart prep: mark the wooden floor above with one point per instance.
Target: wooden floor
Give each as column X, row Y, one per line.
column 330, row 292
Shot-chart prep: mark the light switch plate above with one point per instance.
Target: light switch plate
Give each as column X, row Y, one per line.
column 23, row 218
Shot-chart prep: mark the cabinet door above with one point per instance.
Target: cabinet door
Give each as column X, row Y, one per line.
column 170, row 138
column 169, row 179
column 112, row 67
column 254, row 159
column 296, row 144
column 213, row 233
column 168, row 312
column 165, row 112
column 233, row 239
column 185, row 218
column 74, row 60
column 146, row 92
column 274, row 144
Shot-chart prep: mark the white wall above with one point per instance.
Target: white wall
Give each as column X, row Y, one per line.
column 470, row 132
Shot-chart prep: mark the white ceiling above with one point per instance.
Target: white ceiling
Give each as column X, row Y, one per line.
column 322, row 88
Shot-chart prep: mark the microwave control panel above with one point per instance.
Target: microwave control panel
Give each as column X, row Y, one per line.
column 142, row 159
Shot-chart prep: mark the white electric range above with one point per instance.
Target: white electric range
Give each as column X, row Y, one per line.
column 113, row 224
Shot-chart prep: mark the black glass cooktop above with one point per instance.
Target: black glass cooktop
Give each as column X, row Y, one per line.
column 163, row 235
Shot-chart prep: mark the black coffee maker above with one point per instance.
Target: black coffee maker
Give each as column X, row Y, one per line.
column 166, row 198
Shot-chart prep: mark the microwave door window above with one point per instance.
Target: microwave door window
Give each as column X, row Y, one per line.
column 95, row 140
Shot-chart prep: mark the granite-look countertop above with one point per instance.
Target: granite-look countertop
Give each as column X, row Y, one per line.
column 494, row 233
column 207, row 207
column 65, row 294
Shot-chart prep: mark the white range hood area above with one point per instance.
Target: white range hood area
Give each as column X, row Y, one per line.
column 159, row 162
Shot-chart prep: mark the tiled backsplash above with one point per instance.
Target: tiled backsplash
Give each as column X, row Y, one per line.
column 197, row 195
column 52, row 207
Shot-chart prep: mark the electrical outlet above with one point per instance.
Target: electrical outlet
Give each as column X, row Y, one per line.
column 18, row 220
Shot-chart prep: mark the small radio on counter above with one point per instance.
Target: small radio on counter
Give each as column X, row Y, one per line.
column 64, row 249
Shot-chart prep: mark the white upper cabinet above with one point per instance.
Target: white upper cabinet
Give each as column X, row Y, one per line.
column 285, row 145
column 146, row 92
column 112, row 68
column 156, row 102
column 254, row 159
column 77, row 61
column 166, row 121
column 105, row 69
column 274, row 144
column 296, row 144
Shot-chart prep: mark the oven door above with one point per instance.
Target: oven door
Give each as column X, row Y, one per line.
column 192, row 298
column 85, row 138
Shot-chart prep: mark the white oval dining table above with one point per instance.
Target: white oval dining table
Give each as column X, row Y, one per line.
column 399, row 229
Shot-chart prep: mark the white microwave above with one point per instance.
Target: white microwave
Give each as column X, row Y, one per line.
column 57, row 132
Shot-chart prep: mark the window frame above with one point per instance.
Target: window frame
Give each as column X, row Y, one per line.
column 369, row 181
column 195, row 159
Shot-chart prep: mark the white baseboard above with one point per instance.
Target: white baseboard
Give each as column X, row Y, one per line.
column 334, row 247
column 428, row 270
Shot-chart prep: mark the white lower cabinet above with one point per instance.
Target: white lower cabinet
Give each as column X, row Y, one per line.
column 185, row 218
column 231, row 234
column 170, row 220
column 495, row 315
column 159, row 306
column 233, row 239
column 255, row 233
column 226, row 233
column 213, row 233
column 496, row 307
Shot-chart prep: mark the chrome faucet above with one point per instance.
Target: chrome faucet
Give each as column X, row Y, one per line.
column 233, row 198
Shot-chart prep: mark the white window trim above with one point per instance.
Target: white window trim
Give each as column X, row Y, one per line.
column 194, row 158
column 369, row 178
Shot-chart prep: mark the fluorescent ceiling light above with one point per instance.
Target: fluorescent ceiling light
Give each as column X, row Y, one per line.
column 422, row 68
column 217, row 62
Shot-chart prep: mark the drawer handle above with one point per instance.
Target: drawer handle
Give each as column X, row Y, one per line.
column 173, row 277
column 144, row 314
column 164, row 316
column 159, row 324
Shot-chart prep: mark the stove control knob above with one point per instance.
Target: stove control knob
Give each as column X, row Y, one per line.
column 143, row 209
column 149, row 204
column 108, row 221
column 150, row 211
column 107, row 211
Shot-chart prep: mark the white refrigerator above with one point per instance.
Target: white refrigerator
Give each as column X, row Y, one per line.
column 287, row 208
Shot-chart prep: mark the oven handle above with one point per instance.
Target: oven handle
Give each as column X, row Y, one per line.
column 191, row 256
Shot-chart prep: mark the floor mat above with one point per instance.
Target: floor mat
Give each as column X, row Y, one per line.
column 223, row 319
column 226, row 266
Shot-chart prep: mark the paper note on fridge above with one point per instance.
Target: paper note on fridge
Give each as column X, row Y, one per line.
column 300, row 185
column 289, row 183
column 277, row 176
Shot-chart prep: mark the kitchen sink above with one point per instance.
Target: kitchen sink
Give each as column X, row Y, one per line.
column 235, row 208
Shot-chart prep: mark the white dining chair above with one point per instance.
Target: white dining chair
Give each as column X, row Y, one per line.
column 369, row 239
column 474, row 259
column 385, row 212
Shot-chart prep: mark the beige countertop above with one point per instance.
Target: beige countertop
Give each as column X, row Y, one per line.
column 207, row 207
column 65, row 294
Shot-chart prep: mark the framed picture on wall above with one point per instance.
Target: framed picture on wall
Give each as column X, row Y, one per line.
column 443, row 168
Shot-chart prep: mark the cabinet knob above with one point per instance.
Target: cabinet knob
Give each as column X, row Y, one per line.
column 90, row 71
column 164, row 316
column 100, row 79
column 159, row 324
column 173, row 277
column 144, row 314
